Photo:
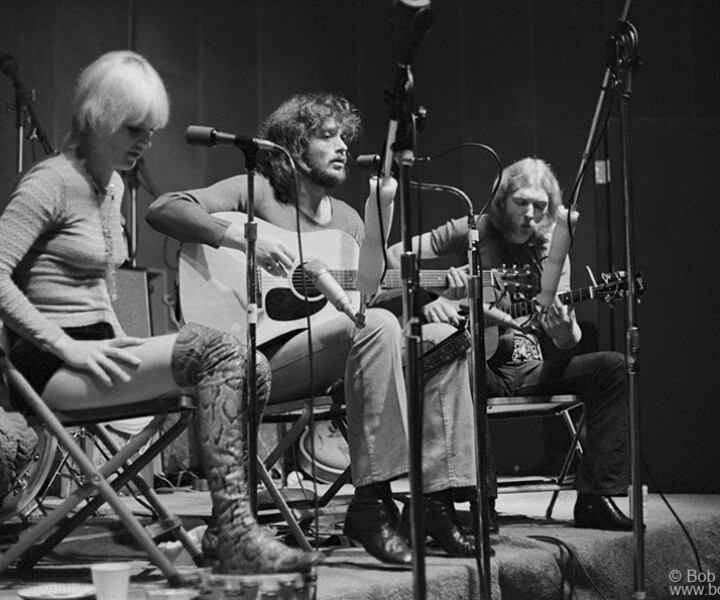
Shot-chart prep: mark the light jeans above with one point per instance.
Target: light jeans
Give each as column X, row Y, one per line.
column 448, row 419
column 370, row 360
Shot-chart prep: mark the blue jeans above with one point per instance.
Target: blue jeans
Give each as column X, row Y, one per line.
column 600, row 380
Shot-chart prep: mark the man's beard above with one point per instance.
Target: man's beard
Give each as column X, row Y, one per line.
column 509, row 226
column 325, row 178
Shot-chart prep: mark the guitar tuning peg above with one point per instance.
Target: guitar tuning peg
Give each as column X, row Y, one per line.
column 592, row 277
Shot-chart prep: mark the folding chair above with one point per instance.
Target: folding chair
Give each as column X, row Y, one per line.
column 543, row 406
column 123, row 467
column 299, row 507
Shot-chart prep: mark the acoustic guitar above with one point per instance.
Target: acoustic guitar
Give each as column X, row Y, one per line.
column 213, row 287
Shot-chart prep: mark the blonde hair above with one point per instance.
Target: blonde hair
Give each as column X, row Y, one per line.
column 524, row 173
column 119, row 87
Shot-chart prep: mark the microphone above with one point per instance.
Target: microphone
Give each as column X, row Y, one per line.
column 372, row 162
column 198, row 135
column 371, row 265
column 412, row 18
column 496, row 316
column 330, row 288
column 368, row 162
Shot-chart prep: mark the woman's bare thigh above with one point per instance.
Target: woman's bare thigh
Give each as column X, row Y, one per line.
column 72, row 389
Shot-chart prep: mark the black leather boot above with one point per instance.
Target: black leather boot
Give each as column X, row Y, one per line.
column 600, row 512
column 442, row 525
column 493, row 525
column 373, row 524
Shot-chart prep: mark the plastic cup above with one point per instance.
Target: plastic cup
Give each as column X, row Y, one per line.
column 111, row 580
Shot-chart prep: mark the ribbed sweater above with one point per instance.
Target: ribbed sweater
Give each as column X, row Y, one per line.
column 53, row 253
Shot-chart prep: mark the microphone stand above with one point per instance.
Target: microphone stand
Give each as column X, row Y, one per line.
column 25, row 112
column 255, row 467
column 412, row 20
column 622, row 53
column 606, row 84
column 479, row 391
column 622, row 61
column 478, row 383
column 251, row 426
column 131, row 185
column 405, row 157
column 135, row 178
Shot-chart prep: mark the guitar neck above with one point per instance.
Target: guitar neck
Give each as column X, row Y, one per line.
column 428, row 279
column 527, row 307
column 393, row 279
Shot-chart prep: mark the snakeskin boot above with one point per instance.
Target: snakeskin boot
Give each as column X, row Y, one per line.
column 215, row 364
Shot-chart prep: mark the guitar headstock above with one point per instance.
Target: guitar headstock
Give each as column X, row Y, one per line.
column 516, row 281
column 615, row 286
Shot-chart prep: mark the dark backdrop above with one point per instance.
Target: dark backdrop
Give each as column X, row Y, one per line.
column 518, row 75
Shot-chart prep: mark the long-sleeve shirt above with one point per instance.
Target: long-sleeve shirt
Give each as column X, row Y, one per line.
column 59, row 238
column 192, row 216
column 451, row 238
column 187, row 216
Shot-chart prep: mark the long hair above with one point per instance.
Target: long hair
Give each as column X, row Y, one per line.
column 523, row 173
column 293, row 125
column 119, row 87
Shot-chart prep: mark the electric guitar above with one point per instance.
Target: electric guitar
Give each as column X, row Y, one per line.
column 213, row 287
column 613, row 287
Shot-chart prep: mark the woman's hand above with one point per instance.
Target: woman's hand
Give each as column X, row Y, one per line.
column 104, row 359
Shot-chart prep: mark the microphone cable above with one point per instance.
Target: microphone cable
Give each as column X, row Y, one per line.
column 574, row 560
column 311, row 362
column 478, row 146
column 674, row 513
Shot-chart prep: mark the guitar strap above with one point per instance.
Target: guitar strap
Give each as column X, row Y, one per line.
column 449, row 349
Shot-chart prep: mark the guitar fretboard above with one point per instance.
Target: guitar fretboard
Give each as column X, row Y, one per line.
column 526, row 307
column 346, row 278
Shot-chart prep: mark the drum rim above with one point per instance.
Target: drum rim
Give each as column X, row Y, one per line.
column 21, row 502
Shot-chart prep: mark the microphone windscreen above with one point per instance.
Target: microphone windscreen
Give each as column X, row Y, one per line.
column 197, row 135
column 368, row 162
column 371, row 264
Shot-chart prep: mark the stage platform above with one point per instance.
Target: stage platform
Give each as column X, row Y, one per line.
column 535, row 558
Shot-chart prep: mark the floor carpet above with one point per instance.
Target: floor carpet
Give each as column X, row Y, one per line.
column 535, row 558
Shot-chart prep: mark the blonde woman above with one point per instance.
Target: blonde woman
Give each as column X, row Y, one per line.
column 61, row 240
